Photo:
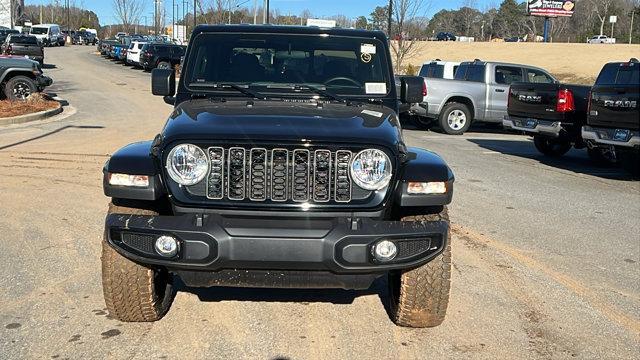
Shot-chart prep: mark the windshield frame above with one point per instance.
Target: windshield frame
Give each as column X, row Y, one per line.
column 192, row 87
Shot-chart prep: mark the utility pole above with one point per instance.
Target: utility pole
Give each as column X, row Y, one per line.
column 255, row 12
column 389, row 20
column 194, row 14
column 229, row 2
column 155, row 17
column 267, row 11
column 633, row 12
column 173, row 17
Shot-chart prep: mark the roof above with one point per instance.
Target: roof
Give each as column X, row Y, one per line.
column 282, row 29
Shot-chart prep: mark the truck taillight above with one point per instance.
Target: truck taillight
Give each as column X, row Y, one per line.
column 424, row 88
column 565, row 101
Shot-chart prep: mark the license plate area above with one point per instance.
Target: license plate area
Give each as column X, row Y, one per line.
column 526, row 123
column 621, row 135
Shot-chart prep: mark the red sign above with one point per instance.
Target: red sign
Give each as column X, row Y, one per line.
column 551, row 8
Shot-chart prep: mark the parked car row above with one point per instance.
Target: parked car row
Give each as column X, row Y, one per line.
column 604, row 118
column 144, row 52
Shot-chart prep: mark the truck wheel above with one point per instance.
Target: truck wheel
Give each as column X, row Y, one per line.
column 422, row 122
column 19, row 88
column 602, row 156
column 455, row 118
column 164, row 65
column 133, row 292
column 551, row 147
column 419, row 297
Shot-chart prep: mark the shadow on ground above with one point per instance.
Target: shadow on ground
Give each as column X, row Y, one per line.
column 334, row 296
column 575, row 160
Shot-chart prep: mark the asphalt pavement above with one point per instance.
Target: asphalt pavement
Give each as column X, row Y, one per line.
column 546, row 252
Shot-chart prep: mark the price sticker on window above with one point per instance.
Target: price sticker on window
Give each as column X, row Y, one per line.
column 368, row 49
column 376, row 88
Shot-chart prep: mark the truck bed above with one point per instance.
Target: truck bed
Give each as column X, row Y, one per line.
column 539, row 101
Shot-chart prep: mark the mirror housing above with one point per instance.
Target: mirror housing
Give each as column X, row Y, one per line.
column 163, row 82
column 411, row 89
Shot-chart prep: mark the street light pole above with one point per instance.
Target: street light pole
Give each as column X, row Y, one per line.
column 389, row 19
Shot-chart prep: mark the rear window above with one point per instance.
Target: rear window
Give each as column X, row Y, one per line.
column 23, row 39
column 432, row 71
column 470, row 72
column 619, row 74
column 538, row 77
column 39, row 30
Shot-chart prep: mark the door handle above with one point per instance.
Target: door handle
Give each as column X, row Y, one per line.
column 500, row 90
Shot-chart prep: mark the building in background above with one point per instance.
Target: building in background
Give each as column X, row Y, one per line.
column 11, row 13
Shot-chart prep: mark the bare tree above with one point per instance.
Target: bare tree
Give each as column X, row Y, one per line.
column 601, row 9
column 409, row 16
column 128, row 12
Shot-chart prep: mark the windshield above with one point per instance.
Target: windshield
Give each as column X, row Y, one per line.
column 342, row 65
column 39, row 30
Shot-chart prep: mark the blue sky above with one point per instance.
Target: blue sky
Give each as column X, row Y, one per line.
column 350, row 8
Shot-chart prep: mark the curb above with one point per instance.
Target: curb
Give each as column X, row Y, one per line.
column 31, row 117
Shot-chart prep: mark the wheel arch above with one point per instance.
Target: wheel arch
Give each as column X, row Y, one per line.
column 462, row 99
column 12, row 72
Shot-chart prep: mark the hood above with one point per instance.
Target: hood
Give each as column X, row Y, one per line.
column 284, row 121
column 17, row 60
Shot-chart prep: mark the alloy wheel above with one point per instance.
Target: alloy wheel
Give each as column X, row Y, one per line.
column 456, row 119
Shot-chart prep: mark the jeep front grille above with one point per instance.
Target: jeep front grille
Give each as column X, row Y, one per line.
column 279, row 175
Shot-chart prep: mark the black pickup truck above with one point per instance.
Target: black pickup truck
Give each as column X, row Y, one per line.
column 161, row 55
column 551, row 112
column 614, row 118
column 23, row 45
column 282, row 164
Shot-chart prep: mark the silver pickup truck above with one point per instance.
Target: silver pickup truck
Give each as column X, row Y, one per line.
column 478, row 93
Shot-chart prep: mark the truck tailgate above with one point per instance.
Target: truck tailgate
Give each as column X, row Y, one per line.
column 615, row 106
column 26, row 49
column 540, row 100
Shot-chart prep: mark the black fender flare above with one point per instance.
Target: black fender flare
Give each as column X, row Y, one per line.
column 422, row 165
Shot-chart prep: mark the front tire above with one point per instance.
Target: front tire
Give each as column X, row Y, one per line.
column 419, row 297
column 133, row 292
column 553, row 147
column 455, row 118
column 19, row 88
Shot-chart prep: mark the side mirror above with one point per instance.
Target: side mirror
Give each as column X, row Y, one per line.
column 411, row 88
column 163, row 82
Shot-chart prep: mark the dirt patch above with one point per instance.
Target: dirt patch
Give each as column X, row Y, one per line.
column 35, row 103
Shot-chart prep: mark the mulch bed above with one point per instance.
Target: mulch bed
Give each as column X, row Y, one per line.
column 35, row 103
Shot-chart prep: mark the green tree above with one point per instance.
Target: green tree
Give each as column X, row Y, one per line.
column 361, row 23
column 379, row 17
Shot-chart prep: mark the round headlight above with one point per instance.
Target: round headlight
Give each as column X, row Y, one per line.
column 371, row 169
column 187, row 164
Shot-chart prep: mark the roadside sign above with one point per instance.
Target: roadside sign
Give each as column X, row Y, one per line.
column 321, row 23
column 551, row 8
column 613, row 19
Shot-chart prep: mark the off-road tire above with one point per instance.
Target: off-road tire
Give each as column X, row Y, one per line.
column 423, row 123
column 443, row 119
column 27, row 83
column 133, row 292
column 551, row 147
column 164, row 65
column 419, row 297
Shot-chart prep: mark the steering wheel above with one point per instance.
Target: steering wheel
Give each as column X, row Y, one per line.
column 342, row 78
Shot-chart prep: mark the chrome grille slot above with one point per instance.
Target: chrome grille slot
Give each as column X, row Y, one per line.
column 215, row 180
column 288, row 175
column 258, row 174
column 301, row 174
column 236, row 181
column 322, row 175
column 279, row 174
column 342, row 182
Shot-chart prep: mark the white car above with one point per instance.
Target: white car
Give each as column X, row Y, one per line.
column 133, row 53
column 47, row 34
column 601, row 39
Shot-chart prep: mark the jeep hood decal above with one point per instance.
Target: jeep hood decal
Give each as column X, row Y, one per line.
column 282, row 121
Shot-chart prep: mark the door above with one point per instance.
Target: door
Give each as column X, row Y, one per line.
column 498, row 90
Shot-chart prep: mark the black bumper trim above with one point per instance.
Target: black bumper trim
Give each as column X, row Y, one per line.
column 338, row 245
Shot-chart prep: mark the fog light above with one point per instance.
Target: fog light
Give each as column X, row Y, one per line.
column 385, row 250
column 166, row 246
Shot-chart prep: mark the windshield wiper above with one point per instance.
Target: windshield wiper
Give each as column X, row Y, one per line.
column 246, row 91
column 306, row 87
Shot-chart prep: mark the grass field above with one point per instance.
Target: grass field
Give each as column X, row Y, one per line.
column 571, row 63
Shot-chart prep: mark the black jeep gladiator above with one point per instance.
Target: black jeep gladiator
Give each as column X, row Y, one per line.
column 282, row 165
column 614, row 116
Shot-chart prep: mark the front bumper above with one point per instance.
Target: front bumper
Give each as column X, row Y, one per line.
column 533, row 126
column 43, row 81
column 212, row 242
column 610, row 136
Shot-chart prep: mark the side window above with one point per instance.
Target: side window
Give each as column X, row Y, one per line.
column 538, row 77
column 506, row 75
column 475, row 73
column 424, row 70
